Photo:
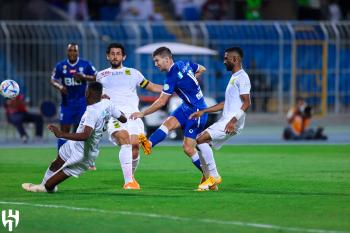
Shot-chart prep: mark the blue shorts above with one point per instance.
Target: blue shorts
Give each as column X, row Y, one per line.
column 71, row 115
column 191, row 128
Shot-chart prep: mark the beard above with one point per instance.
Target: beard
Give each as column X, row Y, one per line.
column 229, row 67
column 115, row 64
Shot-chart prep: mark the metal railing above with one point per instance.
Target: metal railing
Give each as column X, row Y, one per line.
column 284, row 59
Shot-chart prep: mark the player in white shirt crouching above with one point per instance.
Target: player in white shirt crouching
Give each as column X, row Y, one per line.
column 237, row 102
column 120, row 85
column 75, row 156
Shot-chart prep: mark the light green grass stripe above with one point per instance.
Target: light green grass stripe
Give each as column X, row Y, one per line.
column 176, row 218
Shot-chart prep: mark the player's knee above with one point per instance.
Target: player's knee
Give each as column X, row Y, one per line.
column 189, row 150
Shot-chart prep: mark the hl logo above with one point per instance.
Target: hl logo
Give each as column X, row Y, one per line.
column 9, row 219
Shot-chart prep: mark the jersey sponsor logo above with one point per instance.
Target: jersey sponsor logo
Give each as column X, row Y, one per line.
column 127, row 72
column 105, row 73
column 70, row 81
column 72, row 71
column 166, row 87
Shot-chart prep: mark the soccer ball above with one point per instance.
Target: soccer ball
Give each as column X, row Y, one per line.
column 9, row 88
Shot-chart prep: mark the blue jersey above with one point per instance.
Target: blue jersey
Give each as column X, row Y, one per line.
column 64, row 71
column 181, row 80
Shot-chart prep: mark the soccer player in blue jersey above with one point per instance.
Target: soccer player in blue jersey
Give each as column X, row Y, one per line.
column 181, row 79
column 70, row 77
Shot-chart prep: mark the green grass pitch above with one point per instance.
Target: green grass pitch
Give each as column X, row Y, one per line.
column 266, row 188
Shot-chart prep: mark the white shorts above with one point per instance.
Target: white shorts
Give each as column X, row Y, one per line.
column 75, row 162
column 217, row 131
column 134, row 127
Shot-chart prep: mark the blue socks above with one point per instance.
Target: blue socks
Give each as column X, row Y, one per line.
column 196, row 162
column 159, row 135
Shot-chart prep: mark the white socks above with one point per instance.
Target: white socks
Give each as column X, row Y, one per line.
column 208, row 157
column 203, row 165
column 135, row 163
column 125, row 158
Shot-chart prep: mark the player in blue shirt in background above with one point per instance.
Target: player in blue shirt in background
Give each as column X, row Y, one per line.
column 70, row 77
column 181, row 79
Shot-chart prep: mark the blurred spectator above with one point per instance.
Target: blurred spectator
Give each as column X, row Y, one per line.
column 78, row 10
column 309, row 10
column 106, row 10
column 214, row 10
column 334, row 12
column 138, row 10
column 299, row 118
column 17, row 115
column 253, row 10
column 188, row 10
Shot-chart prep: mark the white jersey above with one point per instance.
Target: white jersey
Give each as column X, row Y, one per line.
column 95, row 116
column 120, row 85
column 239, row 84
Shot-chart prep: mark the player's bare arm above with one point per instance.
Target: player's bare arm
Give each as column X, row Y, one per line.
column 230, row 127
column 214, row 108
column 154, row 87
column 59, row 86
column 84, row 77
column 158, row 104
column 71, row 136
column 201, row 69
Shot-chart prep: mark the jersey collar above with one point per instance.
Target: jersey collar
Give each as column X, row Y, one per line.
column 73, row 63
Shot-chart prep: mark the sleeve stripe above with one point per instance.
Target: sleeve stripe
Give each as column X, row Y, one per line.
column 144, row 83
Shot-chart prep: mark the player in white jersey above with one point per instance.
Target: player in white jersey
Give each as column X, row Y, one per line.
column 120, row 85
column 81, row 149
column 235, row 105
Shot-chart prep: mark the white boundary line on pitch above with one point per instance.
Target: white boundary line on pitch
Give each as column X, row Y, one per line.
column 175, row 218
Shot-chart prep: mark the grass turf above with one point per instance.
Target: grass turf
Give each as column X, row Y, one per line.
column 297, row 186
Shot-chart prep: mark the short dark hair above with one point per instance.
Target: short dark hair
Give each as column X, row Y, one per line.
column 163, row 52
column 235, row 49
column 117, row 46
column 96, row 87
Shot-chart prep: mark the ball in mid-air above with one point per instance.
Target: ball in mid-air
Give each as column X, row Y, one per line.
column 9, row 88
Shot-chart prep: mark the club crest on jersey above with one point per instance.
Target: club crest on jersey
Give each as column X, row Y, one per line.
column 127, row 72
column 64, row 67
column 233, row 81
column 166, row 87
